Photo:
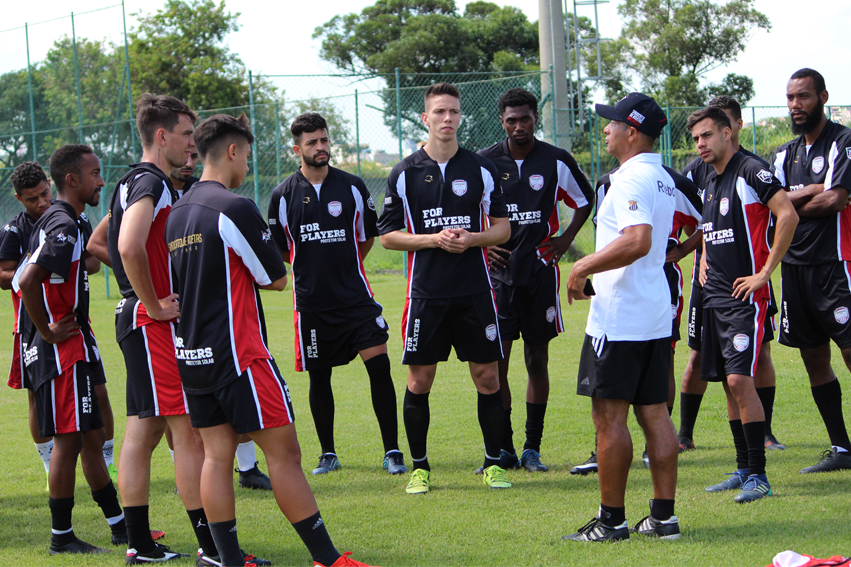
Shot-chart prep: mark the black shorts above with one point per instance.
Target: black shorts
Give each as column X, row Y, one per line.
column 635, row 371
column 154, row 388
column 98, row 374
column 732, row 338
column 674, row 275
column 431, row 327
column 815, row 305
column 324, row 339
column 68, row 404
column 258, row 399
column 533, row 309
column 695, row 317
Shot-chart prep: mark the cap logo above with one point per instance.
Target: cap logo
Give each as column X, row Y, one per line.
column 636, row 117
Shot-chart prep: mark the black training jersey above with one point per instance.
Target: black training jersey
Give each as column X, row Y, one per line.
column 220, row 250
column 14, row 245
column 187, row 185
column 320, row 234
column 818, row 240
column 532, row 189
column 425, row 200
column 735, row 228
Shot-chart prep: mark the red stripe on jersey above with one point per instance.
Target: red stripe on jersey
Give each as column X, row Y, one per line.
column 680, row 301
column 162, row 367
column 757, row 217
column 681, row 220
column 269, row 395
column 245, row 315
column 759, row 327
column 60, row 299
column 63, row 390
column 158, row 255
column 16, row 309
column 299, row 351
column 844, row 229
column 563, row 195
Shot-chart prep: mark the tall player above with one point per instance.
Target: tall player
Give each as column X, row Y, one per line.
column 450, row 201
column 816, row 170
column 222, row 254
column 60, row 357
column 325, row 222
column 534, row 176
column 736, row 264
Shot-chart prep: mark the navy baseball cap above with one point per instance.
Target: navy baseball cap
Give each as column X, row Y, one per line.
column 639, row 111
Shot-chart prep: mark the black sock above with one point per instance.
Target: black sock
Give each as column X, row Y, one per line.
column 766, row 396
column 611, row 516
column 138, row 529
column 534, row 425
column 107, row 499
column 227, row 542
column 507, row 443
column 384, row 400
column 416, row 414
column 491, row 420
column 755, row 437
column 314, row 535
column 661, row 509
column 828, row 398
column 689, row 408
column 202, row 531
column 60, row 517
column 321, row 398
column 740, row 443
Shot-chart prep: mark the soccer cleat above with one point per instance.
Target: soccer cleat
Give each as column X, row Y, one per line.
column 327, row 463
column 47, row 482
column 646, row 458
column 255, row 479
column 494, row 477
column 394, row 463
column 508, row 460
column 596, row 530
column 202, row 560
column 753, row 489
column 121, row 539
column 419, row 483
column 735, row 482
column 113, row 472
column 344, row 561
column 772, row 444
column 663, row 529
column 159, row 554
column 531, row 461
column 831, row 460
column 587, row 467
column 76, row 545
column 686, row 444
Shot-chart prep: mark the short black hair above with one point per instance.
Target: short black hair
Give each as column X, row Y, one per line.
column 717, row 115
column 27, row 175
column 159, row 111
column 65, row 160
column 518, row 97
column 441, row 88
column 220, row 131
column 305, row 124
column 725, row 102
column 818, row 80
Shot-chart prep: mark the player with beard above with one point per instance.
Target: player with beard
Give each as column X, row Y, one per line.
column 324, row 221
column 816, row 170
column 183, row 177
column 534, row 176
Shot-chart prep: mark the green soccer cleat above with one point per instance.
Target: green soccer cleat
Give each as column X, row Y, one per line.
column 113, row 472
column 494, row 477
column 419, row 483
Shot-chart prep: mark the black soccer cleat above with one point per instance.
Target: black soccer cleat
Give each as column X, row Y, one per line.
column 75, row 546
column 663, row 529
column 686, row 444
column 202, row 560
column 596, row 530
column 254, row 478
column 589, row 466
column 831, row 460
column 160, row 554
column 772, row 444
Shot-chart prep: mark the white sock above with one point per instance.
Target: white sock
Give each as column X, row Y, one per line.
column 246, row 456
column 44, row 451
column 108, row 448
column 838, row 449
column 171, row 451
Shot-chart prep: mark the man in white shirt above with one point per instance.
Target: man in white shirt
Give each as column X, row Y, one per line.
column 627, row 353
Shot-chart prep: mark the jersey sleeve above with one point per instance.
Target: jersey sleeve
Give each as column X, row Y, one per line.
column 278, row 224
column 778, row 165
column 369, row 216
column 634, row 202
column 393, row 211
column 493, row 199
column 146, row 185
column 574, row 189
column 687, row 203
column 761, row 180
column 243, row 230
column 10, row 243
column 839, row 164
column 55, row 248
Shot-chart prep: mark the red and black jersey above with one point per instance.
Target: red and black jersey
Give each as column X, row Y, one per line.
column 143, row 180
column 220, row 250
column 58, row 245
column 818, row 240
column 735, row 228
column 14, row 245
column 320, row 234
column 425, row 200
column 532, row 188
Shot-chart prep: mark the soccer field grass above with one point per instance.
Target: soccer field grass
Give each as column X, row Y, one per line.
column 461, row 522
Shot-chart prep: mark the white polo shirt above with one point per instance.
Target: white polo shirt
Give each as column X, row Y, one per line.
column 633, row 303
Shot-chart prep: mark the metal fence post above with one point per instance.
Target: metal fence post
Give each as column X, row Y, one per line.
column 254, row 144
column 399, row 111
column 753, row 127
column 129, row 89
column 667, row 138
column 77, row 74
column 30, row 81
column 553, row 103
column 357, row 131
column 277, row 143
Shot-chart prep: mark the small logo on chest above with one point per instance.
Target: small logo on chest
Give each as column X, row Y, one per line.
column 536, row 182
column 335, row 208
column 725, row 206
column 459, row 187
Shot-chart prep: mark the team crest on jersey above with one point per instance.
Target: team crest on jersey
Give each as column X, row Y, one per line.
column 335, row 208
column 765, row 176
column 741, row 342
column 848, row 152
column 841, row 315
column 490, row 332
column 633, row 206
column 725, row 206
column 83, row 217
column 267, row 235
column 380, row 322
column 459, row 187
column 818, row 164
column 536, row 182
column 551, row 314
column 371, row 204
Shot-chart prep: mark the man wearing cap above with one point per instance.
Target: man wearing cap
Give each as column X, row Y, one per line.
column 627, row 352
